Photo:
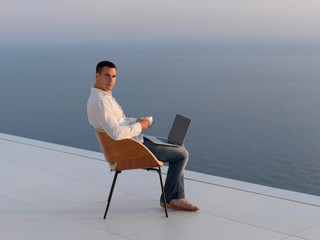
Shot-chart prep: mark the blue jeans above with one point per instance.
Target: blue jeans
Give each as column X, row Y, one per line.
column 177, row 158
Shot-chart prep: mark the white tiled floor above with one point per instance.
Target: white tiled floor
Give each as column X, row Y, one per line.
column 209, row 227
column 49, row 191
column 256, row 211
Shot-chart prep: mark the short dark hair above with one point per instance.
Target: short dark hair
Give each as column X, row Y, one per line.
column 103, row 64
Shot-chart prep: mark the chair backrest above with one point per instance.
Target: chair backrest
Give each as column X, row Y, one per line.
column 126, row 153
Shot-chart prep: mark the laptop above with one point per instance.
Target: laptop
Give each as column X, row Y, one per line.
column 177, row 133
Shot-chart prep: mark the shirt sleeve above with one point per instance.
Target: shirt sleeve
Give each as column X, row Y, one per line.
column 111, row 126
column 131, row 120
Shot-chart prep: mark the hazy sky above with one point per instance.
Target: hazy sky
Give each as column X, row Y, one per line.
column 101, row 20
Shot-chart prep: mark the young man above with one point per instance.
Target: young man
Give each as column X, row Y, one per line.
column 104, row 113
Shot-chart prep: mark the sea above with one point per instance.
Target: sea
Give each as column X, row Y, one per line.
column 254, row 103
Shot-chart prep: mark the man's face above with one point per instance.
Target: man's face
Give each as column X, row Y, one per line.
column 106, row 80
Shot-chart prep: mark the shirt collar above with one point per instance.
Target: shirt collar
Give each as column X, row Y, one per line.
column 101, row 92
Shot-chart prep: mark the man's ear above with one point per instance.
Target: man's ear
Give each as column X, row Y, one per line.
column 97, row 76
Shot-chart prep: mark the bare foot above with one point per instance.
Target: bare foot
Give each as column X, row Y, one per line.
column 181, row 204
column 169, row 206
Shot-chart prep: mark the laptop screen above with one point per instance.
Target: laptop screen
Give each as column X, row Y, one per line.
column 179, row 129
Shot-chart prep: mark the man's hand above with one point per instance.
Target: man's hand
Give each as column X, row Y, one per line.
column 144, row 123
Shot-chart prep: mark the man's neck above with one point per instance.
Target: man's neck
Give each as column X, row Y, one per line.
column 98, row 87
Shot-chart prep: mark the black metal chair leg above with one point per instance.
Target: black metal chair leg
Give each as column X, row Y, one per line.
column 163, row 194
column 162, row 188
column 111, row 192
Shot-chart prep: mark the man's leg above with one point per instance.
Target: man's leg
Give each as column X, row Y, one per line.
column 177, row 157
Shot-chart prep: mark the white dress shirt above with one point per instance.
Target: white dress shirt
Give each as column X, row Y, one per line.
column 105, row 114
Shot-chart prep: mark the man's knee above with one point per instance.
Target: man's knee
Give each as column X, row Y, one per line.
column 184, row 153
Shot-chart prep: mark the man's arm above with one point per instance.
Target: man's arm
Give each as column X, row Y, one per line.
column 103, row 117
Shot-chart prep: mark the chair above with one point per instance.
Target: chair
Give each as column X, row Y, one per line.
column 127, row 154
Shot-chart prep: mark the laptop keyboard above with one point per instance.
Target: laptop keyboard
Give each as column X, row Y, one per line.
column 165, row 140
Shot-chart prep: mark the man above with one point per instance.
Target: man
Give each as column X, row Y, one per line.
column 104, row 113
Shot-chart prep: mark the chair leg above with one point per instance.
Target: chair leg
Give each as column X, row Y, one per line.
column 111, row 192
column 162, row 188
column 163, row 194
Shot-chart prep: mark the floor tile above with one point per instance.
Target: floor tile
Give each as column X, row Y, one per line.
column 52, row 228
column 312, row 233
column 294, row 238
column 61, row 195
column 12, row 211
column 208, row 196
column 131, row 181
column 152, row 193
column 52, row 194
column 68, row 165
column 137, row 180
column 56, row 162
column 226, row 182
column 294, row 196
column 203, row 226
column 126, row 215
column 17, row 177
column 50, row 146
column 271, row 213
column 15, row 152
